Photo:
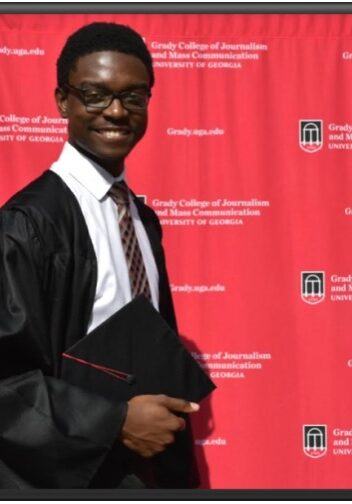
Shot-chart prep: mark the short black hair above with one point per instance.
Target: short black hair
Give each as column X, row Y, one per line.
column 101, row 36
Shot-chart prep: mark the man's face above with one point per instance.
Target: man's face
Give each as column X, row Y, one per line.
column 108, row 135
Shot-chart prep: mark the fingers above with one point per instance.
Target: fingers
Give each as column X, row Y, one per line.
column 151, row 422
column 175, row 404
column 182, row 424
column 144, row 449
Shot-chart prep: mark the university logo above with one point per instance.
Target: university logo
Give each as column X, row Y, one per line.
column 311, row 135
column 142, row 198
column 314, row 440
column 312, row 286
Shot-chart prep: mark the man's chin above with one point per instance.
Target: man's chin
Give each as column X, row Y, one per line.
column 111, row 160
column 113, row 164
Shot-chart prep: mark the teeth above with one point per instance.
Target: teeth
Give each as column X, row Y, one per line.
column 113, row 133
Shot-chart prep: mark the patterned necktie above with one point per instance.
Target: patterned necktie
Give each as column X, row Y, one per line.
column 138, row 276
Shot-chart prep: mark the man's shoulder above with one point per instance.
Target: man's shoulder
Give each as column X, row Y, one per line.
column 45, row 199
column 46, row 191
column 51, row 209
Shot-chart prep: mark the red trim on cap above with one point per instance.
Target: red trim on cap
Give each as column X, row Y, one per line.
column 120, row 375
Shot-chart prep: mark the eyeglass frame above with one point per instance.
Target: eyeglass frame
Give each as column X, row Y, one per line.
column 119, row 95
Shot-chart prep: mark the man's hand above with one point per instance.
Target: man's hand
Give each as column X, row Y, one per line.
column 150, row 424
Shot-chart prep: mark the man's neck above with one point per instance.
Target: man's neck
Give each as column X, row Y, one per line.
column 115, row 168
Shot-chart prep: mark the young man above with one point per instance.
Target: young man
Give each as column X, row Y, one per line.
column 64, row 271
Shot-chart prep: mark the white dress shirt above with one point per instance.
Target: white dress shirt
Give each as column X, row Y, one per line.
column 90, row 183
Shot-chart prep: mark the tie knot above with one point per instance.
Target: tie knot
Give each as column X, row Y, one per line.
column 119, row 193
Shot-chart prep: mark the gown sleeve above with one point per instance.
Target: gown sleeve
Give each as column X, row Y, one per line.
column 52, row 434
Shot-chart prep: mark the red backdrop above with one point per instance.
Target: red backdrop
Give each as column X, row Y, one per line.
column 248, row 164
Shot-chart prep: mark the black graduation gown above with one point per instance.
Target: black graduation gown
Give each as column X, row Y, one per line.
column 52, row 434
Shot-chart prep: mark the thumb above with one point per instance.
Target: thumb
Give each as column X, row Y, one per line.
column 175, row 404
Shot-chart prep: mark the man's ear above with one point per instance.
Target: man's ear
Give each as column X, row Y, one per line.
column 61, row 101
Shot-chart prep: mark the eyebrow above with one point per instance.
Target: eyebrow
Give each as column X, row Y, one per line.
column 103, row 87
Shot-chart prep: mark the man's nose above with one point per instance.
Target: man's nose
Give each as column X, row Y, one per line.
column 115, row 109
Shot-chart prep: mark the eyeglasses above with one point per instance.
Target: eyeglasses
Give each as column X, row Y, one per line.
column 94, row 100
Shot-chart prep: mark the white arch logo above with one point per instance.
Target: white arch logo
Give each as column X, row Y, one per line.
column 315, row 440
column 312, row 286
column 311, row 134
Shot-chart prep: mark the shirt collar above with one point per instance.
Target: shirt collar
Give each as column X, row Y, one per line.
column 89, row 174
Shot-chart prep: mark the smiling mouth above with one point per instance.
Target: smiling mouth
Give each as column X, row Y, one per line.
column 113, row 134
